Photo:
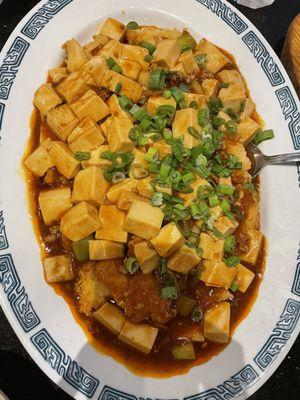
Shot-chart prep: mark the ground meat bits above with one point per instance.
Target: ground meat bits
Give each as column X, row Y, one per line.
column 138, row 295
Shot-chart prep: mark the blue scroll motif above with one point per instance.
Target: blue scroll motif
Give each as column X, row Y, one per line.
column 42, row 17
column 16, row 295
column 2, row 107
column 296, row 283
column 109, row 393
column 53, row 354
column 3, row 237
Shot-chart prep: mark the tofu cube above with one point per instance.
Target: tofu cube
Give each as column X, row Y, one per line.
column 233, row 97
column 58, row 268
column 111, row 220
column 115, row 108
column 143, row 79
column 90, row 185
column 216, row 211
column 86, row 136
column 105, row 126
column 129, row 87
column 140, row 337
column 118, row 135
column 255, row 243
column 112, row 49
column 155, row 102
column 96, row 159
column 137, row 36
column 231, row 76
column 136, row 54
column 211, row 250
column 62, row 121
column 247, row 130
column 226, row 226
column 168, row 240
column 183, row 260
column 238, row 149
column 182, row 121
column 46, row 98
column 217, row 323
column 75, row 85
column 210, row 87
column 57, row 74
column 145, row 189
column 146, row 256
column 249, row 107
column 196, row 87
column 216, row 60
column 189, row 197
column 143, row 220
column 114, row 193
column 98, row 42
column 112, row 28
column 39, row 162
column 76, row 55
column 244, row 278
column 127, row 198
column 63, row 159
column 163, row 148
column 80, row 221
column 90, row 105
column 189, row 63
column 105, row 250
column 54, row 203
column 216, row 273
column 111, row 316
column 200, row 99
column 131, row 69
column 167, row 53
column 95, row 68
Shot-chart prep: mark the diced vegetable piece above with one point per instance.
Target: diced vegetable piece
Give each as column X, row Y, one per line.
column 90, row 105
column 211, row 250
column 81, row 248
column 168, row 240
column 129, row 87
column 111, row 316
column 216, row 273
column 39, row 162
column 155, row 102
column 136, row 54
column 254, row 246
column 183, row 260
column 217, row 323
column 118, row 136
column 244, row 278
column 58, row 268
column 76, row 55
column 112, row 28
column 74, row 86
column 86, row 136
column 185, row 305
column 57, row 74
column 114, row 193
column 46, row 98
column 80, row 221
column 112, row 221
column 90, row 185
column 141, row 337
column 215, row 59
column 184, row 351
column 63, row 159
column 105, row 250
column 146, row 256
column 167, row 53
column 184, row 119
column 143, row 220
column 189, row 63
column 226, row 226
column 54, row 203
column 62, row 121
column 210, row 87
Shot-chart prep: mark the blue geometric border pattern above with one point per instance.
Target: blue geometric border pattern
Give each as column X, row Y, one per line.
column 296, row 283
column 42, row 17
column 16, row 294
column 290, row 111
column 2, row 107
column 263, row 57
column 75, row 375
column 11, row 62
column 280, row 335
column 3, row 237
column 233, row 387
column 109, row 393
column 226, row 13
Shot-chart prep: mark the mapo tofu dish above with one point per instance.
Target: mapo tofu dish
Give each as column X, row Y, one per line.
column 147, row 216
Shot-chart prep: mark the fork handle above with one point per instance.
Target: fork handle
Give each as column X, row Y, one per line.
column 284, row 158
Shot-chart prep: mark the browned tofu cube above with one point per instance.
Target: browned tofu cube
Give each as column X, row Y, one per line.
column 64, row 160
column 247, row 130
column 143, row 220
column 39, row 162
column 249, row 107
column 231, row 76
column 146, row 256
column 112, row 221
column 210, row 87
column 112, row 49
column 62, row 121
column 167, row 53
column 216, row 60
column 87, row 136
column 200, row 99
column 54, row 203
column 136, row 54
column 58, row 268
column 217, row 323
column 155, row 102
column 98, row 42
column 112, row 28
column 115, row 108
column 126, row 199
column 244, row 278
column 74, row 86
column 96, row 68
column 118, row 135
column 233, row 97
column 115, row 191
column 211, row 250
column 130, row 88
column 131, row 69
column 80, row 221
column 216, row 273
column 189, row 63
column 168, row 240
column 96, row 159
column 76, row 55
column 57, row 74
column 226, row 226
column 183, row 260
column 90, row 105
column 139, row 336
column 46, row 98
column 255, row 243
column 111, row 316
column 188, row 117
column 105, row 250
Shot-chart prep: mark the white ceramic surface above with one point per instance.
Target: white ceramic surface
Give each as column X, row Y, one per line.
column 41, row 319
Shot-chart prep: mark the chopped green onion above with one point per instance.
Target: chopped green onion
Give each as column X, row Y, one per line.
column 81, row 248
column 184, row 87
column 201, row 160
column 188, row 178
column 225, row 189
column 117, row 69
column 232, row 261
column 203, row 171
column 167, row 134
column 175, row 176
column 193, row 131
column 149, row 46
column 125, row 103
column 201, row 59
column 118, row 177
column 217, row 233
column 243, row 106
column 217, row 121
column 151, row 155
column 167, row 94
column 148, row 58
column 234, row 287
column 203, row 117
column 157, row 199
column 164, row 170
column 213, row 200
column 82, row 155
column 118, row 88
column 132, row 25
column 229, row 244
column 232, row 114
column 182, row 105
column 215, row 105
column 224, row 85
column 187, row 41
column 138, row 171
column 147, row 125
column 204, row 191
column 195, row 211
column 131, row 265
column 169, row 292
column 186, row 47
column 225, row 206
column 194, row 104
column 231, row 127
column 263, row 135
column 197, row 314
column 138, row 112
column 177, row 94
column 157, row 79
column 181, row 212
column 110, row 62
column 162, row 266
column 107, row 155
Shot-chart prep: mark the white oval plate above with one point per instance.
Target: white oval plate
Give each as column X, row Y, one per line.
column 41, row 319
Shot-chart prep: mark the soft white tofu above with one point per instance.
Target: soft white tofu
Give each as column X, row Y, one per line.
column 167, row 53
column 210, row 87
column 238, row 149
column 76, row 55
column 39, row 162
column 155, row 102
column 163, row 148
column 105, row 250
column 226, row 226
column 244, row 278
column 74, row 86
column 196, row 87
column 249, row 107
column 98, row 42
column 143, row 79
column 87, row 136
column 118, row 135
column 146, row 256
column 57, row 74
column 129, row 87
column 113, row 49
column 189, row 197
column 137, row 54
column 90, row 185
column 80, row 221
column 54, row 203
column 217, row 323
column 105, row 126
column 247, row 130
column 131, row 69
column 58, row 268
column 231, row 76
column 111, row 220
column 90, row 105
column 255, row 243
column 211, row 250
column 46, row 98
column 115, row 108
column 188, row 117
column 62, row 121
column 216, row 60
column 183, row 260
column 233, row 97
column 96, row 159
column 143, row 220
column 216, row 273
column 111, row 316
column 168, row 240
column 95, row 68
column 114, row 193
column 63, row 159
column 200, row 99
column 188, row 61
column 145, row 189
column 140, row 337
column 127, row 198
column 112, row 28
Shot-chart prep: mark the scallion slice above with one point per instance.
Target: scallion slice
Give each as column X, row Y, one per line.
column 187, row 41
column 227, row 190
column 204, row 191
column 110, row 62
column 116, row 68
column 118, row 177
column 177, row 94
column 232, row 261
column 131, row 265
column 167, row 94
column 148, row 58
column 194, row 104
column 138, row 112
column 138, row 171
column 157, row 199
column 125, row 103
column 118, row 88
column 197, row 314
column 132, row 25
column 213, row 200
column 215, row 105
column 203, row 117
column 169, row 292
column 194, row 132
column 149, row 46
column 234, row 287
column 231, row 127
column 224, row 85
column 229, row 244
column 203, row 171
column 263, row 135
column 188, row 178
column 201, row 59
column 82, row 155
column 201, row 160
column 151, row 155
column 157, row 79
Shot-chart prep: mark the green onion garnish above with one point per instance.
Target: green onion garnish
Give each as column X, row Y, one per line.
column 167, row 94
column 138, row 171
column 204, row 191
column 157, row 79
column 138, row 112
column 118, row 88
column 194, row 104
column 187, row 41
column 232, row 261
column 169, row 292
column 197, row 314
column 194, row 132
column 203, row 117
column 188, row 178
column 110, row 62
column 224, row 85
column 81, row 248
column 263, row 135
column 151, row 155
column 229, row 244
column 148, row 58
column 131, row 265
column 157, row 199
column 213, row 200
column 225, row 206
column 118, row 177
column 184, row 87
column 201, row 160
column 234, row 287
column 215, row 105
column 149, row 46
column 177, row 94
column 116, row 68
column 202, row 171
column 82, row 155
column 201, row 59
column 125, row 103
column 164, row 170
column 231, row 127
column 186, row 47
column 132, row 25
column 227, row 190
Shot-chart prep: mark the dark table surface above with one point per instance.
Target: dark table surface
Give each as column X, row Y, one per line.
column 16, row 364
